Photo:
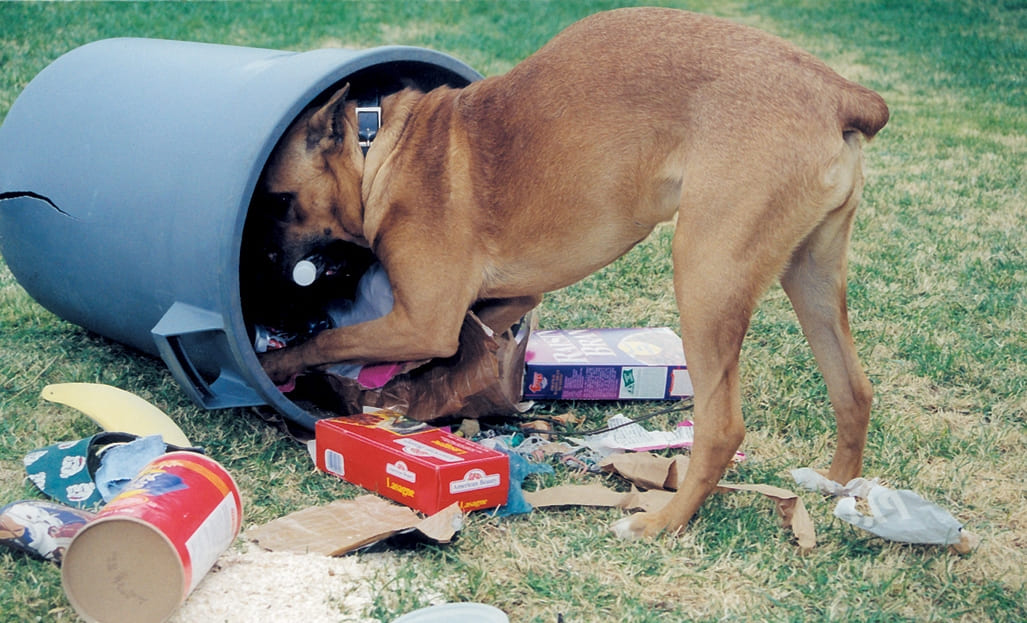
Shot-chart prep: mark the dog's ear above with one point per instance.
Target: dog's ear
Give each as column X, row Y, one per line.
column 330, row 120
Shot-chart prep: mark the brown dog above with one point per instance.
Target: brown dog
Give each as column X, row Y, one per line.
column 490, row 195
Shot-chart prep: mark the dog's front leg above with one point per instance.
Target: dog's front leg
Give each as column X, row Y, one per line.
column 394, row 337
column 429, row 305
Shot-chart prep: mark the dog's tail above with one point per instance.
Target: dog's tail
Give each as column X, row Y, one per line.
column 862, row 110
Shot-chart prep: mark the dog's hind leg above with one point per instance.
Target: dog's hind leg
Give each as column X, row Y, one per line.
column 815, row 284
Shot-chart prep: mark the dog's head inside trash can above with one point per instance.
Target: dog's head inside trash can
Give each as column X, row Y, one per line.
column 307, row 271
column 138, row 234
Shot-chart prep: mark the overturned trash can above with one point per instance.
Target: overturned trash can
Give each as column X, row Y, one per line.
column 127, row 169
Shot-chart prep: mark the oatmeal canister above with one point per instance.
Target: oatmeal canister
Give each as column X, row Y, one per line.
column 153, row 543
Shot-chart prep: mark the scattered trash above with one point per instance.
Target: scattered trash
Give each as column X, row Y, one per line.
column 172, row 511
column 625, row 434
column 121, row 463
column 267, row 338
column 117, row 410
column 144, row 552
column 660, row 476
column 896, row 515
column 597, row 496
column 648, row 471
column 790, row 508
column 586, row 451
column 62, row 471
column 40, row 528
column 605, row 364
column 343, row 526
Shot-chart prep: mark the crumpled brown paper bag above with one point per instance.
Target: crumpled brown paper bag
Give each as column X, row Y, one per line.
column 484, row 377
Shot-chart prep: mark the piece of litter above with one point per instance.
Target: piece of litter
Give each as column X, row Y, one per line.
column 520, row 468
column 629, row 435
column 896, row 515
column 345, row 525
column 624, row 434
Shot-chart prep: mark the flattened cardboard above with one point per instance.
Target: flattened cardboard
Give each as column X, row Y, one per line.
column 598, row 496
column 342, row 526
column 790, row 508
column 605, row 364
column 418, row 465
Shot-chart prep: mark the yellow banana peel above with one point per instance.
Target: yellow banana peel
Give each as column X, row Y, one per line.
column 116, row 410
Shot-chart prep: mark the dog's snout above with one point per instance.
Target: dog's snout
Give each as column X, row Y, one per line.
column 279, row 204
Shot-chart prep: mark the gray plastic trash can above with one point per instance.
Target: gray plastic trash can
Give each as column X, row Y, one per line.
column 127, row 167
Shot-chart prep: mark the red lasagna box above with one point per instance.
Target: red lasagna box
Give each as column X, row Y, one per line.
column 413, row 463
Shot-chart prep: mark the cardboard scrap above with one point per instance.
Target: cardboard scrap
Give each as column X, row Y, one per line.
column 660, row 475
column 342, row 526
column 646, row 470
column 597, row 495
column 791, row 509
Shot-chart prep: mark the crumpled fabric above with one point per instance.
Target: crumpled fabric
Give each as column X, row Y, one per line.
column 520, row 469
column 121, row 463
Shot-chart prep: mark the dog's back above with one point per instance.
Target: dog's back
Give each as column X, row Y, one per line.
column 657, row 108
column 694, row 59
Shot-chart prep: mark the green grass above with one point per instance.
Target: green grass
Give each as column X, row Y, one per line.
column 938, row 277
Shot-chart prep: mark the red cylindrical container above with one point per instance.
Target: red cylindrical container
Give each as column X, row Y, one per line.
column 152, row 544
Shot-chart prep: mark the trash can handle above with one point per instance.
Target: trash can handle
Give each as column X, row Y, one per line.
column 173, row 334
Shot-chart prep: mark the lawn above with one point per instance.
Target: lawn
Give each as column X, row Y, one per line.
column 938, row 276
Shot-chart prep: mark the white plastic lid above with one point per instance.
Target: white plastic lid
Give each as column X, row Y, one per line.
column 304, row 273
column 455, row 612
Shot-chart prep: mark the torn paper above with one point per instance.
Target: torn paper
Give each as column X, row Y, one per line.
column 629, row 435
column 896, row 515
column 646, row 470
column 346, row 525
column 598, row 496
column 790, row 508
column 624, row 434
column 659, row 474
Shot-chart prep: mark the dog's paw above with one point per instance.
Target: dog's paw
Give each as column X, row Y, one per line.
column 637, row 526
column 624, row 529
column 276, row 367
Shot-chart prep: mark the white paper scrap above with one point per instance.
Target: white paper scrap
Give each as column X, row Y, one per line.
column 631, row 436
column 897, row 515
